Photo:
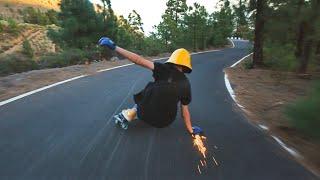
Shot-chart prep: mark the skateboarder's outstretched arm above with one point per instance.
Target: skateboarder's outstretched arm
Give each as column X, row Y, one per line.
column 186, row 117
column 135, row 58
column 187, row 121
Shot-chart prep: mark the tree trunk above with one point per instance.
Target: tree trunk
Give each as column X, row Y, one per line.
column 300, row 39
column 305, row 56
column 318, row 48
column 300, row 31
column 194, row 35
column 258, row 34
column 194, row 38
column 318, row 52
column 308, row 35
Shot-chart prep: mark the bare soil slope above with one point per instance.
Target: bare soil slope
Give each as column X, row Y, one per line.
column 11, row 43
column 46, row 4
column 13, row 8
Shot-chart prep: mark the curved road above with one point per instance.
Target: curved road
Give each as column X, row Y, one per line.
column 66, row 132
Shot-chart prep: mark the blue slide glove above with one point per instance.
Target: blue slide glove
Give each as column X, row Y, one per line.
column 196, row 130
column 107, row 42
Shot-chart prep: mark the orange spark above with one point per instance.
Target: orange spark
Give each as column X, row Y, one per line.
column 198, row 142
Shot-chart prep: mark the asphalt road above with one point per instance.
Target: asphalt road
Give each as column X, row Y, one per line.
column 66, row 132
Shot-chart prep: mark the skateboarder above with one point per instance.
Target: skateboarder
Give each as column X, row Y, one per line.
column 157, row 103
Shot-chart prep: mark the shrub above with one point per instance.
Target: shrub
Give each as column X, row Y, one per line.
column 27, row 49
column 248, row 63
column 16, row 64
column 52, row 16
column 1, row 27
column 152, row 47
column 280, row 57
column 93, row 54
column 304, row 114
column 66, row 58
column 13, row 26
column 54, row 35
column 33, row 16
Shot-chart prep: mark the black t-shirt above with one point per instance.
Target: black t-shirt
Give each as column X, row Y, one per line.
column 157, row 103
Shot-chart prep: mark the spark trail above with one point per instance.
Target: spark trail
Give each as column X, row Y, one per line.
column 198, row 142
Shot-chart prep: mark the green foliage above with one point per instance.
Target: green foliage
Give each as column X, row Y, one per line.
column 52, row 16
column 16, row 64
column 304, row 114
column 65, row 58
column 193, row 27
column 27, row 49
column 13, row 26
column 81, row 25
column 1, row 27
column 33, row 16
column 197, row 27
column 153, row 47
column 248, row 64
column 286, row 23
column 280, row 57
column 222, row 24
column 55, row 36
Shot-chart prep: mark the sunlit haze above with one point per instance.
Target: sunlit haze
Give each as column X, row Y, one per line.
column 151, row 10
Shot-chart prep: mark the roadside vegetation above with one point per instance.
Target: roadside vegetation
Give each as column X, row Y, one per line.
column 75, row 34
column 304, row 113
column 287, row 38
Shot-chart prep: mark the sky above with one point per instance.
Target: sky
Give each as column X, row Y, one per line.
column 151, row 10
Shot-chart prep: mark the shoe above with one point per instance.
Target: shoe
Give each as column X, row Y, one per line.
column 121, row 121
column 129, row 114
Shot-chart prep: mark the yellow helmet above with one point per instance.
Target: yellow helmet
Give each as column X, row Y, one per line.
column 181, row 57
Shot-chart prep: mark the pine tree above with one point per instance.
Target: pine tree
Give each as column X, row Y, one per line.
column 241, row 20
column 110, row 20
column 221, row 23
column 307, row 32
column 81, row 26
column 197, row 23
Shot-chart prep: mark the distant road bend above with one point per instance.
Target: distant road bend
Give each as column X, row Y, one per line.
column 66, row 132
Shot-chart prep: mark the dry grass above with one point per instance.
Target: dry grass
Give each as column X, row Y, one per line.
column 46, row 4
column 13, row 8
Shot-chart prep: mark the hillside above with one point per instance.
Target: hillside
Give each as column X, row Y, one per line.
column 13, row 8
column 46, row 4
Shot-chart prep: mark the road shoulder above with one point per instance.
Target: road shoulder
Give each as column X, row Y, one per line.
column 263, row 95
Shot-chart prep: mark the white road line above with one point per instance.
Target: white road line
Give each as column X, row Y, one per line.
column 38, row 90
column 231, row 43
column 108, row 69
column 130, row 64
column 284, row 146
column 233, row 65
column 231, row 92
column 228, row 84
column 78, row 77
column 204, row 52
column 263, row 127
